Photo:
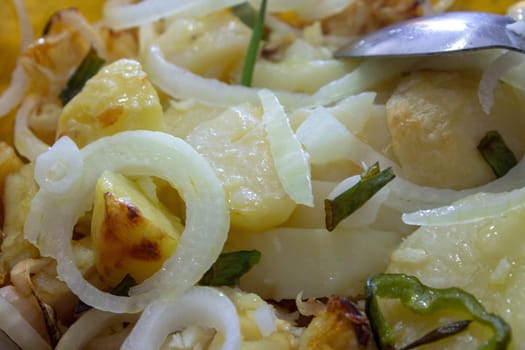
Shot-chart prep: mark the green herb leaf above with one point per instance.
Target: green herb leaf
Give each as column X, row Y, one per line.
column 229, row 268
column 246, row 13
column 443, row 332
column 253, row 47
column 346, row 203
column 496, row 153
column 89, row 66
column 425, row 300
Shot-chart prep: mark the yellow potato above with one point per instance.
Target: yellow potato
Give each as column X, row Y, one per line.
column 436, row 123
column 235, row 144
column 130, row 234
column 119, row 97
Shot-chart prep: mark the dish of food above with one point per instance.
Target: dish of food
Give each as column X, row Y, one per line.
column 206, row 175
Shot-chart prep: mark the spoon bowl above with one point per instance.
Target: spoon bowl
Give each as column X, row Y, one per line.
column 438, row 34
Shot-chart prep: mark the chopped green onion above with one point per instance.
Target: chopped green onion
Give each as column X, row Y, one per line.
column 89, row 66
column 253, row 47
column 229, row 268
column 246, row 13
column 496, row 153
column 346, row 203
column 121, row 289
column 443, row 332
column 425, row 300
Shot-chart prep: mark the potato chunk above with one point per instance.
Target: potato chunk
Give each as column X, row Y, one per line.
column 130, row 234
column 235, row 144
column 119, row 97
column 484, row 258
column 436, row 123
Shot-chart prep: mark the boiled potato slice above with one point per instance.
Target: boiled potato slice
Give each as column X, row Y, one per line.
column 313, row 261
column 119, row 97
column 235, row 145
column 130, row 234
column 436, row 123
column 484, row 258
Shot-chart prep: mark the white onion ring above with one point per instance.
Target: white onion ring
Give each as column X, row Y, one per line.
column 52, row 216
column 202, row 306
column 133, row 15
column 18, row 329
column 89, row 325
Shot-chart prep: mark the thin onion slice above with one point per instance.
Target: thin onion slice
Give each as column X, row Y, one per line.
column 202, row 306
column 89, row 325
column 492, row 74
column 75, row 20
column 24, row 22
column 26, row 142
column 470, row 209
column 53, row 215
column 133, row 15
column 18, row 329
column 183, row 84
column 290, row 161
column 14, row 94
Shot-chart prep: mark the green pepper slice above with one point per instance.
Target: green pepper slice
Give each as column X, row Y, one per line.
column 425, row 300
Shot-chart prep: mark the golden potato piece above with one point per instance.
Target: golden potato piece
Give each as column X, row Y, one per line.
column 235, row 144
column 130, row 234
column 119, row 97
column 340, row 326
column 436, row 123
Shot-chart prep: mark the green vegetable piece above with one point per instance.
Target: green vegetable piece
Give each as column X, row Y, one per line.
column 496, row 153
column 346, row 203
column 253, row 47
column 425, row 300
column 229, row 268
column 246, row 13
column 89, row 66
column 123, row 287
column 439, row 333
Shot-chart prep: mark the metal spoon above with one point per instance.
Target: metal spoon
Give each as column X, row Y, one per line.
column 438, row 34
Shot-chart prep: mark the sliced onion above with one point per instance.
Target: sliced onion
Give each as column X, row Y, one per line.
column 26, row 142
column 73, row 19
column 133, row 15
column 324, row 137
column 202, row 306
column 264, row 317
column 16, row 90
column 24, row 22
column 52, row 216
column 492, row 74
column 18, row 329
column 183, row 84
column 291, row 162
column 89, row 325
column 470, row 209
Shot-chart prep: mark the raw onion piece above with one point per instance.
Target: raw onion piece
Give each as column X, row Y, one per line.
column 264, row 317
column 26, row 142
column 202, row 306
column 14, row 94
column 181, row 83
column 492, row 74
column 89, row 325
column 470, row 209
column 24, row 22
column 291, row 162
column 73, row 18
column 306, row 9
column 53, row 213
column 133, row 15
column 324, row 137
column 18, row 329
